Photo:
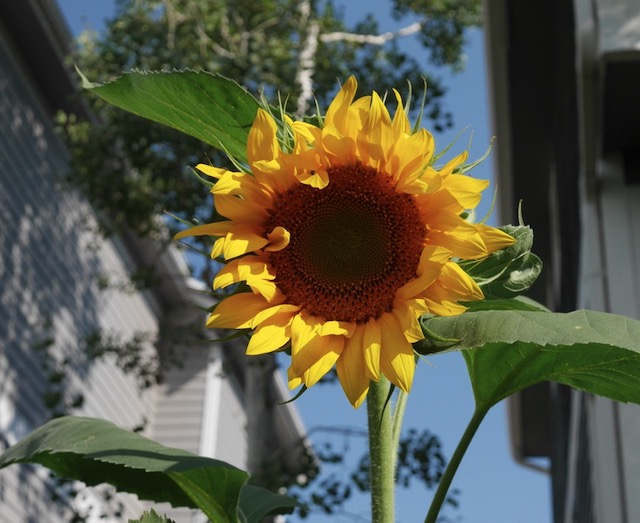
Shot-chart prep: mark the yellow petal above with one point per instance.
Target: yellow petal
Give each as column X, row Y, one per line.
column 251, row 269
column 397, row 360
column 350, row 368
column 452, row 232
column 465, row 246
column 303, row 329
column 243, row 239
column 444, row 307
column 341, row 328
column 371, row 340
column 309, row 353
column 436, row 202
column 377, row 127
column 401, row 125
column 451, row 165
column 494, row 239
column 241, row 269
column 465, row 190
column 237, row 311
column 210, row 170
column 332, row 349
column 240, row 210
column 408, row 313
column 218, row 247
column 294, row 380
column 207, row 229
column 341, row 149
column 432, row 259
column 244, row 185
column 338, row 110
column 262, row 143
column 460, row 285
column 313, row 339
column 410, row 159
column 278, row 238
column 282, row 308
column 306, row 132
column 271, row 336
column 318, row 179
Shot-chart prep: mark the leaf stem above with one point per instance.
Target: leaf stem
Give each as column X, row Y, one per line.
column 381, row 453
column 454, row 463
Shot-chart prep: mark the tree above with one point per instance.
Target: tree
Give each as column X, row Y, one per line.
column 135, row 170
column 287, row 51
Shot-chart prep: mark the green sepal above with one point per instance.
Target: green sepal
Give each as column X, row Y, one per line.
column 508, row 272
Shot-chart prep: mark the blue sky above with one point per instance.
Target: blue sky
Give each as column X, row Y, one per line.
column 493, row 487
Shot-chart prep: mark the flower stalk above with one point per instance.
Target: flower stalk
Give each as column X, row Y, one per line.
column 381, row 452
column 454, row 463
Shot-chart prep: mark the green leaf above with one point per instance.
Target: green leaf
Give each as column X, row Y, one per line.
column 207, row 106
column 256, row 503
column 507, row 351
column 519, row 303
column 97, row 451
column 507, row 272
column 151, row 517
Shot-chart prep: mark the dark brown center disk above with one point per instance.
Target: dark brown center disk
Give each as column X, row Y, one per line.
column 353, row 244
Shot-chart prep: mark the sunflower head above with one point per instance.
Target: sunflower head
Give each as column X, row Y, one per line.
column 344, row 236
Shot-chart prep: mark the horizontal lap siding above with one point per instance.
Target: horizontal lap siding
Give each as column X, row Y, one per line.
column 179, row 413
column 47, row 289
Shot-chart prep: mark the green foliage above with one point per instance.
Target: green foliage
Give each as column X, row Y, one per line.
column 443, row 29
column 134, row 171
column 96, row 451
column 257, row 502
column 151, row 517
column 507, row 351
column 177, row 99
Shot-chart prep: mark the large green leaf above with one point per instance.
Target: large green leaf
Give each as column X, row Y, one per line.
column 256, row 503
column 507, row 351
column 519, row 303
column 96, row 451
column 208, row 106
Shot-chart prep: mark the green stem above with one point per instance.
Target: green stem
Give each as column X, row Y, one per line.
column 454, row 463
column 381, row 453
column 396, row 424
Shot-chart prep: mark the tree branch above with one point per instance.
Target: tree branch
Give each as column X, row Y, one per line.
column 380, row 39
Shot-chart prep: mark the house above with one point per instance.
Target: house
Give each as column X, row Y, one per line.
column 565, row 84
column 52, row 307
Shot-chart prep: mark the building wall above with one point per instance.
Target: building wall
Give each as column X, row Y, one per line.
column 201, row 411
column 611, row 282
column 48, row 295
column 50, row 300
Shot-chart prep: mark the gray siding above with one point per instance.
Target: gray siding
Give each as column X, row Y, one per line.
column 48, row 291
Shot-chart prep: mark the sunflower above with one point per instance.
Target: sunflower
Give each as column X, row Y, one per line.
column 344, row 239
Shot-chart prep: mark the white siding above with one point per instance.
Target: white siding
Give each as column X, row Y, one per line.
column 232, row 427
